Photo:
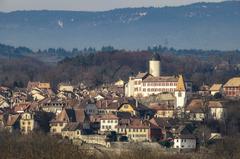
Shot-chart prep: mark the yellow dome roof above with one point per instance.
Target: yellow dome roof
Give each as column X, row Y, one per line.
column 181, row 84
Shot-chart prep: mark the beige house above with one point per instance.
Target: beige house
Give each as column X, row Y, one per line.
column 136, row 130
column 232, row 87
column 72, row 130
column 26, row 123
column 196, row 110
column 108, row 122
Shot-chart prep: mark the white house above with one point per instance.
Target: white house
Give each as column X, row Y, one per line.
column 185, row 142
column 153, row 83
column 108, row 123
column 217, row 110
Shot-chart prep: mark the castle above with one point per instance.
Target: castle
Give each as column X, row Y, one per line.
column 152, row 83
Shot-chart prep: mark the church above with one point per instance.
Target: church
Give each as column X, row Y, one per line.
column 152, row 83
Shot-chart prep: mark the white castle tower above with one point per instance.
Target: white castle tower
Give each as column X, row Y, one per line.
column 155, row 66
column 180, row 93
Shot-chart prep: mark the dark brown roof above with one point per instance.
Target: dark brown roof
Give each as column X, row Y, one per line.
column 157, row 106
column 161, row 79
column 160, row 122
column 71, row 115
column 73, row 126
column 135, row 124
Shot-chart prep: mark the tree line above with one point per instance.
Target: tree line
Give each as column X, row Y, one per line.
column 99, row 67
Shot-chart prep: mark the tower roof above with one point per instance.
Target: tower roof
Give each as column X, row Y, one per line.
column 155, row 57
column 181, row 84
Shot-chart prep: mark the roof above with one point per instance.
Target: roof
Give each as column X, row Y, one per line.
column 124, row 115
column 108, row 104
column 21, row 107
column 160, row 122
column 135, row 124
column 216, row 104
column 186, row 136
column 233, row 82
column 166, row 96
column 40, row 85
column 141, row 75
column 216, row 87
column 181, row 84
column 196, row 105
column 12, row 119
column 136, row 105
column 72, row 126
column 155, row 57
column 108, row 116
column 71, row 115
column 157, row 106
column 161, row 79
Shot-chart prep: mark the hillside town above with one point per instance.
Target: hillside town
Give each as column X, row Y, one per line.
column 148, row 108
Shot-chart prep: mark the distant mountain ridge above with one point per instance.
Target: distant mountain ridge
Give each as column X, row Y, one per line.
column 200, row 26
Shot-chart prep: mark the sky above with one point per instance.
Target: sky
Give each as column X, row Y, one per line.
column 88, row 5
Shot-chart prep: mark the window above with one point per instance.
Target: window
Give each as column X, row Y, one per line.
column 179, row 94
column 103, row 127
column 23, row 123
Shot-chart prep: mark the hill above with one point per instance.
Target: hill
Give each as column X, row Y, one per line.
column 200, row 25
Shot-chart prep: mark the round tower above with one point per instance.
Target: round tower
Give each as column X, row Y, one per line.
column 155, row 66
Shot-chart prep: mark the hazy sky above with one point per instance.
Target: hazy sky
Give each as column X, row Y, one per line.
column 93, row 5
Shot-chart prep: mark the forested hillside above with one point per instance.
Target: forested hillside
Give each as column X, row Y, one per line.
column 200, row 25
